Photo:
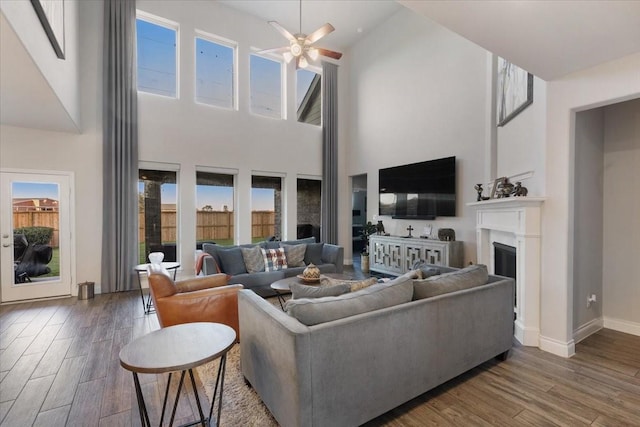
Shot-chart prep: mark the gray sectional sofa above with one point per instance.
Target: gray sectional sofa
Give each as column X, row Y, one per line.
column 228, row 259
column 347, row 371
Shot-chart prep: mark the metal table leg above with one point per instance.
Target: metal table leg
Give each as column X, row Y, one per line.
column 220, row 378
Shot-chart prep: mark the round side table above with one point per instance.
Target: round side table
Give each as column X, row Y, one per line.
column 179, row 348
column 142, row 268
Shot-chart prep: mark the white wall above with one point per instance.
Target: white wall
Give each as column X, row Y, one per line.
column 601, row 85
column 520, row 143
column 621, row 249
column 417, row 92
column 62, row 75
column 587, row 221
column 33, row 149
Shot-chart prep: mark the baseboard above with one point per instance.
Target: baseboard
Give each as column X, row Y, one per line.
column 625, row 326
column 587, row 329
column 559, row 348
column 526, row 336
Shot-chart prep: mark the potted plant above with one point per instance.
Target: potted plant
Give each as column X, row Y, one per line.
column 366, row 232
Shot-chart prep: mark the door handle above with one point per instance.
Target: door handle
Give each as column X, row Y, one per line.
column 6, row 245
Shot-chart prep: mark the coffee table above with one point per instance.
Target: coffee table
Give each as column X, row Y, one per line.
column 179, row 348
column 142, row 268
column 282, row 286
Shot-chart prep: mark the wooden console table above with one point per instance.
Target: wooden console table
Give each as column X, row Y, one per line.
column 396, row 255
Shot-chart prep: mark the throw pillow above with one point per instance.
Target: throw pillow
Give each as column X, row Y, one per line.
column 304, row 291
column 231, row 260
column 313, row 254
column 425, row 272
column 469, row 277
column 253, row 259
column 274, row 259
column 294, row 254
column 381, row 295
column 354, row 285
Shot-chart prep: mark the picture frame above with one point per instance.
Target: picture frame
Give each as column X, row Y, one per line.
column 495, row 186
column 51, row 16
column 514, row 91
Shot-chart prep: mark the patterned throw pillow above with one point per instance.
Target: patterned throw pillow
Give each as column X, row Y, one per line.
column 295, row 254
column 253, row 259
column 274, row 259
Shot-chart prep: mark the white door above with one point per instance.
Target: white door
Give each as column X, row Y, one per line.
column 35, row 233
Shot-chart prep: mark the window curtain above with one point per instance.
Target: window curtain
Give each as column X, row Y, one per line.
column 329, row 220
column 120, row 146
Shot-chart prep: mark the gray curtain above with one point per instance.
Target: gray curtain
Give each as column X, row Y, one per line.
column 120, row 146
column 329, row 220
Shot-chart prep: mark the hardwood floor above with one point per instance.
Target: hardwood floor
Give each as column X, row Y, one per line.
column 59, row 366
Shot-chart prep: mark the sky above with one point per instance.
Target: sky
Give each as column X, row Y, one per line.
column 34, row 190
column 214, row 72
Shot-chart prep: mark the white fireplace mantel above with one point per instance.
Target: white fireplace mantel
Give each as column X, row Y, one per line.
column 515, row 221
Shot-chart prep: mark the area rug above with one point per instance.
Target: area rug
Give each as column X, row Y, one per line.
column 241, row 405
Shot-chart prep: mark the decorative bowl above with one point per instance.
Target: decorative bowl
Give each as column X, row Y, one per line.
column 308, row 279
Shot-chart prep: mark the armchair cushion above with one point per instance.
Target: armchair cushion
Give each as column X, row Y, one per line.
column 201, row 299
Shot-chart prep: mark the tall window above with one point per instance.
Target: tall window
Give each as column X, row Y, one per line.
column 214, row 208
column 158, row 213
column 266, row 87
column 309, row 96
column 215, row 65
column 266, row 207
column 157, row 55
column 309, row 207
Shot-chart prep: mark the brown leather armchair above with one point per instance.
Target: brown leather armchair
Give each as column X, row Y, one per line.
column 201, row 299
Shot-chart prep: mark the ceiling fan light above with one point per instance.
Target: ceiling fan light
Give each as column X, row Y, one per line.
column 287, row 57
column 302, row 62
column 296, row 49
column 313, row 53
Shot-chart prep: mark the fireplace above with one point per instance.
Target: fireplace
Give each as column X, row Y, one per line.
column 508, row 243
column 504, row 263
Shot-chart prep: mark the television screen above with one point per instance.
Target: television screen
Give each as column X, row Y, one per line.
column 421, row 190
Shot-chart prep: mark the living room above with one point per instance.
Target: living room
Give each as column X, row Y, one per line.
column 410, row 90
column 382, row 123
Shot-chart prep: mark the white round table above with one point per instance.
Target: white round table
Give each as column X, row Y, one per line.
column 142, row 268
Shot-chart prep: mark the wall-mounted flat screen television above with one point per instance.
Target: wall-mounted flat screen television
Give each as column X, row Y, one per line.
column 421, row 190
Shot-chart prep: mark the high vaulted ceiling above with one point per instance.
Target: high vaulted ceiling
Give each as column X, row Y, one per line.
column 548, row 38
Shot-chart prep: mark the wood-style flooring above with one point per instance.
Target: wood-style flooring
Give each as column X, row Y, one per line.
column 59, row 366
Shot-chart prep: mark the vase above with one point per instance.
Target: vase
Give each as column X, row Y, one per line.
column 364, row 263
column 156, row 257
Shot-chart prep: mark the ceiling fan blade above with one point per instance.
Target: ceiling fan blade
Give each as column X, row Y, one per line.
column 283, row 31
column 320, row 33
column 329, row 53
column 275, row 50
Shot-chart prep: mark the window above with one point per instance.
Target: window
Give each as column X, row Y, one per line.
column 309, row 208
column 266, row 207
column 266, row 87
column 157, row 55
column 309, row 96
column 158, row 213
column 214, row 208
column 215, row 65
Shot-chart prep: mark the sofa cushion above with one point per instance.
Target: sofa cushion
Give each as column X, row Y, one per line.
column 253, row 259
column 304, row 291
column 381, row 295
column 231, row 260
column 274, row 259
column 295, row 254
column 469, row 277
column 305, row 241
column 313, row 254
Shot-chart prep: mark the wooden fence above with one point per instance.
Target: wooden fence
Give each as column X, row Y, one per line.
column 212, row 225
column 39, row 219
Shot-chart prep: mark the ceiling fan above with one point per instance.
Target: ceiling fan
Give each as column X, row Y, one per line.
column 301, row 45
